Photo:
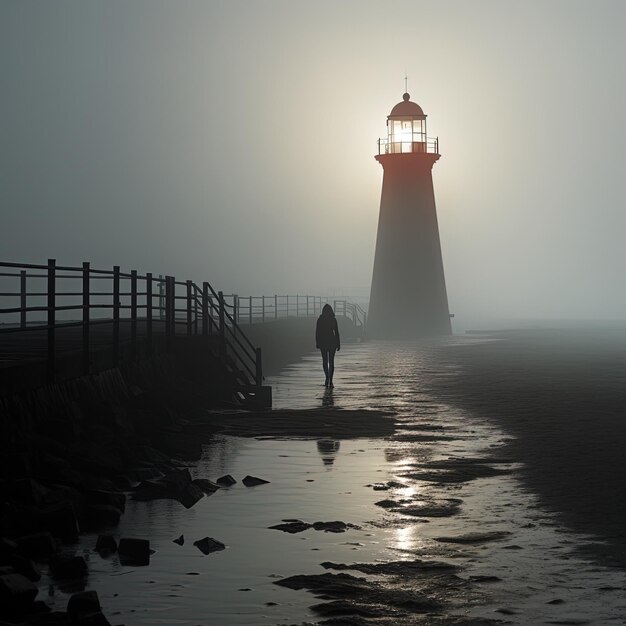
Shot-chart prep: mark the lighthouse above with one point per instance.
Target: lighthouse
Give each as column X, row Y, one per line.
column 408, row 295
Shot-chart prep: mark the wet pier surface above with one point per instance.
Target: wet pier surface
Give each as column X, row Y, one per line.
column 441, row 489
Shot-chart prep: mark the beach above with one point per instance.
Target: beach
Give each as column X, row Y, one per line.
column 474, row 480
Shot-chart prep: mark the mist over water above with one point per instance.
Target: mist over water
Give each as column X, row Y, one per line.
column 234, row 142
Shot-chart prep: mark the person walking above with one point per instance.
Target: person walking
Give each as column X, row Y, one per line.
column 327, row 341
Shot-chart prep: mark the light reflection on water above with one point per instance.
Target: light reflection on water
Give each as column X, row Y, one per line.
column 326, row 480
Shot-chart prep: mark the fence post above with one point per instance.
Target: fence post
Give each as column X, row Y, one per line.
column 188, row 307
column 51, row 320
column 259, row 367
column 205, row 309
column 168, row 313
column 195, row 309
column 220, row 296
column 275, row 306
column 235, row 310
column 116, row 314
column 297, row 305
column 86, row 315
column 149, row 311
column 162, row 299
column 133, row 313
column 307, row 306
column 287, row 296
column 263, row 308
column 23, row 299
column 249, row 309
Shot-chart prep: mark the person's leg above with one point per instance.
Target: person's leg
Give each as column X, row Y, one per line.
column 331, row 365
column 325, row 362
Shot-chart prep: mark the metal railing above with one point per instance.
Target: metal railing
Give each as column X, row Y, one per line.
column 258, row 309
column 47, row 301
column 386, row 146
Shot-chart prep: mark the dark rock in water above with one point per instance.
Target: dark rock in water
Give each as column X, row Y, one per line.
column 253, row 481
column 68, row 567
column 334, row 527
column 485, row 579
column 387, row 504
column 83, row 603
column 190, row 495
column 292, row 527
column 380, row 487
column 208, row 486
column 397, row 568
column 92, row 619
column 226, row 481
column 37, row 545
column 60, row 519
column 16, row 591
column 109, row 498
column 177, row 480
column 180, row 540
column 340, row 608
column 97, row 515
column 134, row 551
column 474, row 538
column 106, row 544
column 208, row 545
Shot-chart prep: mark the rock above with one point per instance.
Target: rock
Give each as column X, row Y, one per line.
column 134, row 551
column 180, row 540
column 190, row 495
column 60, row 520
column 92, row 619
column 25, row 567
column 176, row 481
column 207, row 486
column 208, row 545
column 109, row 498
column 292, row 527
column 253, row 481
column 25, row 491
column 226, row 481
column 83, row 603
column 37, row 545
column 475, row 538
column 98, row 515
column 16, row 591
column 68, row 567
column 333, row 527
column 106, row 544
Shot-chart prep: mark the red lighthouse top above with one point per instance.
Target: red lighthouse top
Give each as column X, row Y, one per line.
column 406, row 130
column 406, row 108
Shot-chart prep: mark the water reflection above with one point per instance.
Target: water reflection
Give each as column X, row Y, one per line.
column 328, row 449
column 327, row 399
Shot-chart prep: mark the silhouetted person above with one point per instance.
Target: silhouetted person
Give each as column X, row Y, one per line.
column 327, row 341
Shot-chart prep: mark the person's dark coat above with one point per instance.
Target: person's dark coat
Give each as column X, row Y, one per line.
column 327, row 331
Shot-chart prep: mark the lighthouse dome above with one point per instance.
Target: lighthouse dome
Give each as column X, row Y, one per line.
column 406, row 108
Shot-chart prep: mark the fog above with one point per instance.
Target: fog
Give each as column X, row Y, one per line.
column 234, row 142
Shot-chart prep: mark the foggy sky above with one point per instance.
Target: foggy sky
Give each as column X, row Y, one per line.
column 234, row 142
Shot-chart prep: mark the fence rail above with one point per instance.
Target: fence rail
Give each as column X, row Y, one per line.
column 46, row 299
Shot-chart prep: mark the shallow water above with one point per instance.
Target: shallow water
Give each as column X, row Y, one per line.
column 329, row 480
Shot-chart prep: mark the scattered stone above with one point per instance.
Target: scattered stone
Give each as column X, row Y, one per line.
column 397, row 568
column 208, row 545
column 292, row 527
column 208, row 486
column 177, row 480
column 334, row 527
column 83, row 603
column 226, row 481
column 68, row 567
column 190, row 495
column 37, row 545
column 16, row 591
column 485, row 579
column 180, row 540
column 106, row 544
column 556, row 601
column 380, row 487
column 474, row 538
column 134, row 551
column 253, row 481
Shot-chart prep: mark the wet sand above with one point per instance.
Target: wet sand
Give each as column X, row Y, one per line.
column 562, row 396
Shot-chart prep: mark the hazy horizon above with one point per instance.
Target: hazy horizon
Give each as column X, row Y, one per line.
column 234, row 142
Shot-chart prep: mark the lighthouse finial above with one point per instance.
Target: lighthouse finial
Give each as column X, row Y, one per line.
column 406, row 79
